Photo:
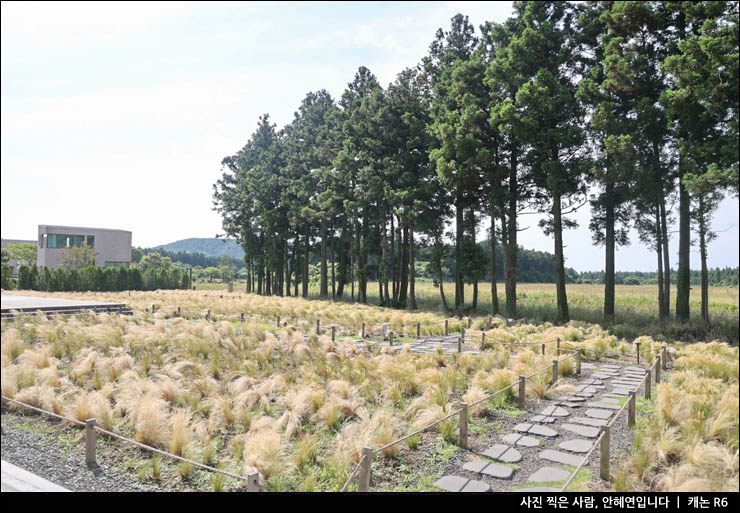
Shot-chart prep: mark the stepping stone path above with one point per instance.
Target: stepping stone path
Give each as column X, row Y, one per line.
column 523, row 440
column 489, row 469
column 600, row 394
column 549, row 475
column 587, row 431
column 560, row 457
column 598, row 413
column 581, row 446
column 535, row 429
column 555, row 411
column 503, row 453
column 461, row 484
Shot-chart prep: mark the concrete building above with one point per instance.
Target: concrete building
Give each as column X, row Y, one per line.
column 13, row 263
column 113, row 246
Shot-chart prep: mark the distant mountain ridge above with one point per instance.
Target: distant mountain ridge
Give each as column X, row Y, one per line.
column 211, row 247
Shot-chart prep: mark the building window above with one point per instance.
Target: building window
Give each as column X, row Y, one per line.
column 58, row 241
column 91, row 241
column 109, row 263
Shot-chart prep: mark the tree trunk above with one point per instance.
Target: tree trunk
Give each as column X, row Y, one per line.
column 441, row 283
column 610, row 248
column 404, row 265
column 662, row 310
column 494, row 291
column 684, row 248
column 296, row 250
column 384, row 298
column 666, row 257
column 510, row 249
column 459, row 231
column 333, row 281
column 474, row 306
column 324, row 287
column 562, row 298
column 703, row 255
column 306, row 256
column 412, row 270
column 343, row 251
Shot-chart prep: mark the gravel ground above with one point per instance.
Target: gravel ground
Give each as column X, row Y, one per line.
column 45, row 456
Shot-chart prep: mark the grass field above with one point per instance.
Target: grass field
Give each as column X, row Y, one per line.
column 636, row 308
column 256, row 397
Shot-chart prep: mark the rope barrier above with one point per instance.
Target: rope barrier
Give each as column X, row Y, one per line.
column 353, row 474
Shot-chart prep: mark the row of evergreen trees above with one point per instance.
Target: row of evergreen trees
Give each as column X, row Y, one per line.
column 94, row 279
column 718, row 277
column 631, row 106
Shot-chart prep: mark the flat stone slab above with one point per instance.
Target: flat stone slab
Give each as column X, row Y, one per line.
column 543, row 419
column 587, row 431
column 579, row 446
column 593, row 382
column 460, row 484
column 568, row 404
column 535, row 429
column 625, row 391
column 606, row 406
column 586, row 421
column 598, row 413
column 560, row 457
column 489, row 469
column 610, row 366
column 616, row 397
column 609, row 400
column 602, row 375
column 588, row 389
column 503, row 453
column 523, row 440
column 585, row 365
column 585, row 394
column 555, row 411
column 617, row 392
column 549, row 475
column 570, row 399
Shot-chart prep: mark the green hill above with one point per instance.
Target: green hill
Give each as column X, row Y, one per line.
column 209, row 247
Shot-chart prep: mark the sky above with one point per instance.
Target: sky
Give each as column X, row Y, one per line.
column 117, row 115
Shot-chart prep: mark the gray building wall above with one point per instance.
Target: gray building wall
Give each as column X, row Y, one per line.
column 111, row 245
column 13, row 263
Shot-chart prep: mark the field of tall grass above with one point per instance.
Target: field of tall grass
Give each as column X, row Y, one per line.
column 636, row 308
column 297, row 407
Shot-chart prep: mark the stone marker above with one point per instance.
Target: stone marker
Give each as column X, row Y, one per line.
column 606, row 406
column 580, row 446
column 460, row 484
column 523, row 440
column 503, row 453
column 555, row 411
column 535, row 429
column 489, row 469
column 549, row 475
column 586, row 421
column 587, row 431
column 598, row 413
column 542, row 419
column 560, row 457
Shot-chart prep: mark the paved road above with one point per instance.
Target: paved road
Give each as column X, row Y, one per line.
column 15, row 479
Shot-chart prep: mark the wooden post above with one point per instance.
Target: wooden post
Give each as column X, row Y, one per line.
column 391, row 338
column 631, row 410
column 208, row 315
column 365, row 467
column 657, row 369
column 522, row 391
column 464, row 425
column 242, row 316
column 647, row 384
column 253, row 482
column 447, row 327
column 604, row 466
column 459, row 344
column 363, row 329
column 489, row 321
column 332, row 333
column 318, row 326
column 578, row 362
column 153, row 306
column 90, row 442
column 277, row 323
column 664, row 358
column 554, row 371
column 637, row 344
column 178, row 311
column 482, row 341
column 418, row 330
column 470, row 323
column 558, row 353
column 543, row 349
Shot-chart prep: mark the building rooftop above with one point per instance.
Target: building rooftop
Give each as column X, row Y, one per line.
column 82, row 228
